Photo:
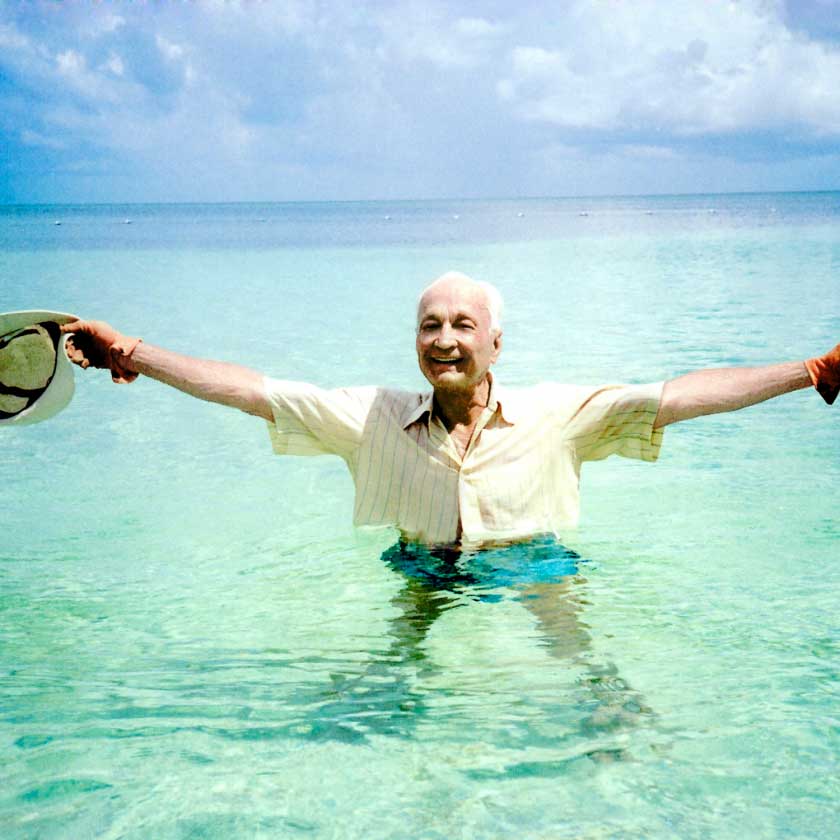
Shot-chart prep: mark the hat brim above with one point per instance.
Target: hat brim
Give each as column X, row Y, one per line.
column 59, row 392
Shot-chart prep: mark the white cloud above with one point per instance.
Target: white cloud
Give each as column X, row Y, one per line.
column 93, row 85
column 114, row 64
column 580, row 170
column 476, row 28
column 169, row 49
column 11, row 39
column 97, row 22
column 545, row 88
column 426, row 33
column 685, row 67
column 70, row 63
column 33, row 138
column 647, row 152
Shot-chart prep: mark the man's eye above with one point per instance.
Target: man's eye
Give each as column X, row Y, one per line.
column 465, row 325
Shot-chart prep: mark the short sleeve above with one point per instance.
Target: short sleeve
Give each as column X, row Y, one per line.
column 617, row 420
column 314, row 421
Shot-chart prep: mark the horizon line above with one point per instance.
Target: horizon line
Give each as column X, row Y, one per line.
column 577, row 197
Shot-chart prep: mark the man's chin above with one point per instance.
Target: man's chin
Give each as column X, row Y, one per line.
column 450, row 383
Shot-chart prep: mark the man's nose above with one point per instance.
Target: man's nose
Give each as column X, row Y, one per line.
column 445, row 337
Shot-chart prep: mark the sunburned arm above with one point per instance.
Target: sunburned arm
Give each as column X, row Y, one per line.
column 219, row 382
column 727, row 389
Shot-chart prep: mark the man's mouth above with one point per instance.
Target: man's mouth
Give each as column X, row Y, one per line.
column 443, row 361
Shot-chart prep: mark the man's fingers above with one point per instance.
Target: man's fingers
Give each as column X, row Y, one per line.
column 90, row 343
column 76, row 354
column 79, row 358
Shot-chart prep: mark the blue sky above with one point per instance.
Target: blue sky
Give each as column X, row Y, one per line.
column 297, row 99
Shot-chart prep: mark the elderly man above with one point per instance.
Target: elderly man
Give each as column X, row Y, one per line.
column 470, row 463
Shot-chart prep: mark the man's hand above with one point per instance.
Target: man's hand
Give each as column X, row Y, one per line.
column 825, row 374
column 97, row 344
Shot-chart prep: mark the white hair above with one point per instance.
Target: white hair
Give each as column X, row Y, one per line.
column 493, row 297
column 495, row 304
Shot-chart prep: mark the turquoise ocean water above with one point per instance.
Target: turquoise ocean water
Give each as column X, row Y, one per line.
column 194, row 642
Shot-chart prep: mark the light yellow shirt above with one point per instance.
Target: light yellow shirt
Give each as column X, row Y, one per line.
column 519, row 476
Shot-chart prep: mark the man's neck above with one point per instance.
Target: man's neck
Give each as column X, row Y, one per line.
column 462, row 408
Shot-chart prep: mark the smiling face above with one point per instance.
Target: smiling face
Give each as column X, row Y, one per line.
column 455, row 342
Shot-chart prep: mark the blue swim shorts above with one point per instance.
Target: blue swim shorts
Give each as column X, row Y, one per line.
column 542, row 559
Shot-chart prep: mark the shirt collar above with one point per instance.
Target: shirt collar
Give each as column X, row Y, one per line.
column 501, row 400
column 412, row 415
column 508, row 403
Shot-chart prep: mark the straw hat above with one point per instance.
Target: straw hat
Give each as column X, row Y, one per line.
column 36, row 377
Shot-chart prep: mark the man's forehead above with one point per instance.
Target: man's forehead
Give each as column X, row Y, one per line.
column 464, row 297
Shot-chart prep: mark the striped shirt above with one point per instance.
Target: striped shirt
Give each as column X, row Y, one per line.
column 518, row 477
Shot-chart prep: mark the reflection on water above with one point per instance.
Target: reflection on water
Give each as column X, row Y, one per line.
column 542, row 574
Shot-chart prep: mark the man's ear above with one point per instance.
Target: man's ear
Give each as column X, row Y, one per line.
column 497, row 345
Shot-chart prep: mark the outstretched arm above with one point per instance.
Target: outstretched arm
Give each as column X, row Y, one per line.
column 96, row 344
column 728, row 389
column 219, row 382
